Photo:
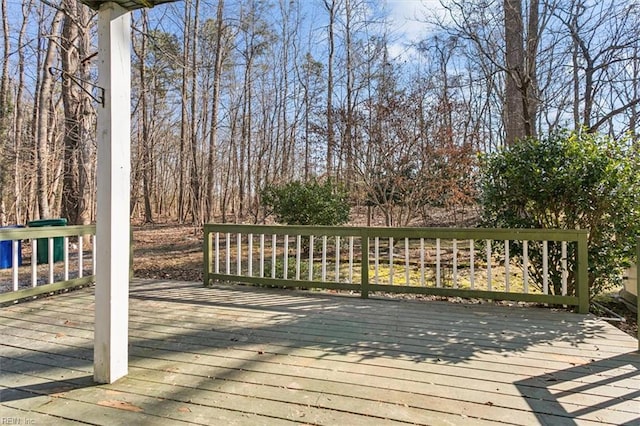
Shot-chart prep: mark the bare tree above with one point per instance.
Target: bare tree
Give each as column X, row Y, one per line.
column 78, row 112
column 215, row 106
column 604, row 36
column 44, row 125
column 4, row 110
column 332, row 10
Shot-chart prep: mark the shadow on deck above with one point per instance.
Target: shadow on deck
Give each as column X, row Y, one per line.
column 245, row 355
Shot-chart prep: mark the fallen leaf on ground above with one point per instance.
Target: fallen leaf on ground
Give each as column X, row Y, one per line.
column 121, row 405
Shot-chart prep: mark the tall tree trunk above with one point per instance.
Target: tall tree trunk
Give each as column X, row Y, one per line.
column 4, row 111
column 77, row 113
column 71, row 101
column 531, row 93
column 18, row 130
column 514, row 59
column 184, row 130
column 331, row 6
column 215, row 105
column 146, row 142
column 347, row 142
column 43, row 126
column 196, row 196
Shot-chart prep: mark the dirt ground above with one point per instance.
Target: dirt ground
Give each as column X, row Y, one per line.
column 174, row 252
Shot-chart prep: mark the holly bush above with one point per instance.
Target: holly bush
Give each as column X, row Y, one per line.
column 307, row 203
column 568, row 180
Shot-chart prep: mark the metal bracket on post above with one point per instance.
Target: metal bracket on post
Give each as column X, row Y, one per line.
column 78, row 81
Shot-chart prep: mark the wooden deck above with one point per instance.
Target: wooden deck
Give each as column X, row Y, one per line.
column 243, row 355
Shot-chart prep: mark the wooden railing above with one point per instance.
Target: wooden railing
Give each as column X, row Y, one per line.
column 530, row 265
column 70, row 260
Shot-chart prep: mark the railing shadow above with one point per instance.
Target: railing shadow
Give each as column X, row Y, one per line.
column 555, row 393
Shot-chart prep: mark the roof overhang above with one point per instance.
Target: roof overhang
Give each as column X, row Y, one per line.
column 126, row 4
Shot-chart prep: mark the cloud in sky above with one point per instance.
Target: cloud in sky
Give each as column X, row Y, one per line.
column 408, row 21
column 408, row 16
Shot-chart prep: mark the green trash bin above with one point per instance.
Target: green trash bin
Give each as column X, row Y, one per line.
column 43, row 243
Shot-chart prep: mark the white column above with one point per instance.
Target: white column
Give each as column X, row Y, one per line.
column 114, row 167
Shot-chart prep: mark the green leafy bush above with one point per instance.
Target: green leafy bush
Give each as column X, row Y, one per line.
column 568, row 180
column 308, row 203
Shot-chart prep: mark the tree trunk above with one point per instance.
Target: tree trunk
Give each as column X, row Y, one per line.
column 146, row 143
column 18, row 126
column 331, row 6
column 531, row 93
column 514, row 115
column 43, row 122
column 196, row 196
column 215, row 105
column 184, row 130
column 77, row 113
column 4, row 112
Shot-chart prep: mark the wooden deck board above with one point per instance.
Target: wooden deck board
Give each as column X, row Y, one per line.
column 243, row 355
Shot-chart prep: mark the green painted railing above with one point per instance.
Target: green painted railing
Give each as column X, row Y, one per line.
column 498, row 264
column 68, row 260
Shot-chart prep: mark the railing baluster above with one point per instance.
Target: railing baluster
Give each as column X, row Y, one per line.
column 337, row 272
column 311, row 258
column 406, row 261
column 488, row 265
column 14, row 263
column 350, row 260
column 525, row 266
column 438, row 281
column 324, row 259
column 506, row 266
column 239, row 254
column 422, row 262
column 565, row 271
column 217, row 253
column 274, row 248
column 364, row 268
column 262, row 255
column 545, row 267
column 80, row 256
column 51, row 258
column 66, row 258
column 298, row 255
column 285, row 272
column 472, row 264
column 250, row 254
column 227, row 241
column 455, row 263
column 34, row 262
column 391, row 261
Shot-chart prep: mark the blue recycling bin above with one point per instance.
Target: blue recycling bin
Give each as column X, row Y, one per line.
column 6, row 251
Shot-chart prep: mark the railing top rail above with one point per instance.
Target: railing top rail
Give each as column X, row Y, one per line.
column 45, row 232
column 385, row 232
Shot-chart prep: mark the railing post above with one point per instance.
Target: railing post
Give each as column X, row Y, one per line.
column 583, row 274
column 364, row 272
column 206, row 251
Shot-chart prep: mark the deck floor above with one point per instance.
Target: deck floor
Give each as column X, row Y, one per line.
column 251, row 356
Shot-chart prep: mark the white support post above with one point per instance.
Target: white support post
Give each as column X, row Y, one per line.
column 114, row 170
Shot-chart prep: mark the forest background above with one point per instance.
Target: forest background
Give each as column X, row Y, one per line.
column 229, row 97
